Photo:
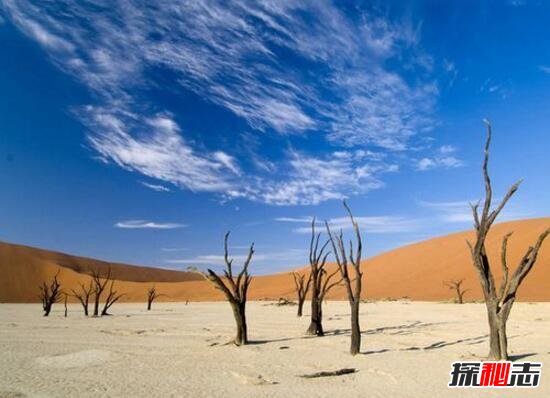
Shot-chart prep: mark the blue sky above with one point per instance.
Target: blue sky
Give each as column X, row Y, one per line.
column 141, row 134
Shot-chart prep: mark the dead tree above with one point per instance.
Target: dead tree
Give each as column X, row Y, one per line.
column 152, row 296
column 83, row 296
column 100, row 283
column 456, row 285
column 235, row 290
column 302, row 288
column 498, row 301
column 50, row 294
column 112, row 298
column 321, row 281
column 353, row 284
column 65, row 303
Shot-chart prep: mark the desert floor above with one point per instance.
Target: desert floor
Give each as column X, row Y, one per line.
column 178, row 350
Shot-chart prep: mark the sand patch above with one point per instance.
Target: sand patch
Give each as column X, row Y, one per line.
column 11, row 394
column 138, row 332
column 76, row 359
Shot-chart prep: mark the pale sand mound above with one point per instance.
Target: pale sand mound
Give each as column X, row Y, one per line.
column 415, row 271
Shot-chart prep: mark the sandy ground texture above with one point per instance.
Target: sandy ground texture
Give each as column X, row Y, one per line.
column 178, row 350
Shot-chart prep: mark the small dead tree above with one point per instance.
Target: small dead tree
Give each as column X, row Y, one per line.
column 498, row 301
column 235, row 290
column 152, row 296
column 321, row 281
column 112, row 298
column 302, row 287
column 83, row 296
column 353, row 284
column 100, row 283
column 50, row 294
column 65, row 303
column 456, row 285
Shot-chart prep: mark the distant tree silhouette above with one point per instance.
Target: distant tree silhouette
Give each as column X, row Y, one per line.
column 112, row 297
column 302, row 287
column 83, row 296
column 352, row 283
column 498, row 300
column 456, row 285
column 235, row 290
column 50, row 294
column 152, row 296
column 100, row 283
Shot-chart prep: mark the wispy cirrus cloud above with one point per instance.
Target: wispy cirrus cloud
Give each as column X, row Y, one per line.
column 460, row 211
column 144, row 224
column 292, row 68
column 155, row 187
column 369, row 224
column 443, row 158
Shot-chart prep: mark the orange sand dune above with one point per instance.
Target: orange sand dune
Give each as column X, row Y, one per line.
column 415, row 271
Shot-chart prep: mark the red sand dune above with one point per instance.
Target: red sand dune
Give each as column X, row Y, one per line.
column 416, row 271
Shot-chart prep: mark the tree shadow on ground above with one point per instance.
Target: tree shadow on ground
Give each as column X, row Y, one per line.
column 514, row 358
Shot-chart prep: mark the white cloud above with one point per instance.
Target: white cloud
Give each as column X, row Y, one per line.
column 230, row 54
column 143, row 224
column 460, row 211
column 312, row 180
column 287, row 258
column 442, row 158
column 371, row 224
column 451, row 212
column 155, row 187
column 160, row 153
column 544, row 68
column 294, row 219
column 212, row 259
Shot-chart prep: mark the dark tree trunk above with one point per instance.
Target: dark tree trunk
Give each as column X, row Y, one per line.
column 96, row 305
column 355, row 329
column 85, row 306
column 497, row 331
column 47, row 309
column 240, row 319
column 302, row 288
column 300, row 307
column 149, row 305
column 316, row 325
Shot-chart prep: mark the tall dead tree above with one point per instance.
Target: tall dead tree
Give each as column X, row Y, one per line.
column 498, row 301
column 112, row 297
column 235, row 290
column 352, row 283
column 83, row 296
column 321, row 281
column 50, row 294
column 456, row 285
column 302, row 287
column 152, row 296
column 100, row 283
